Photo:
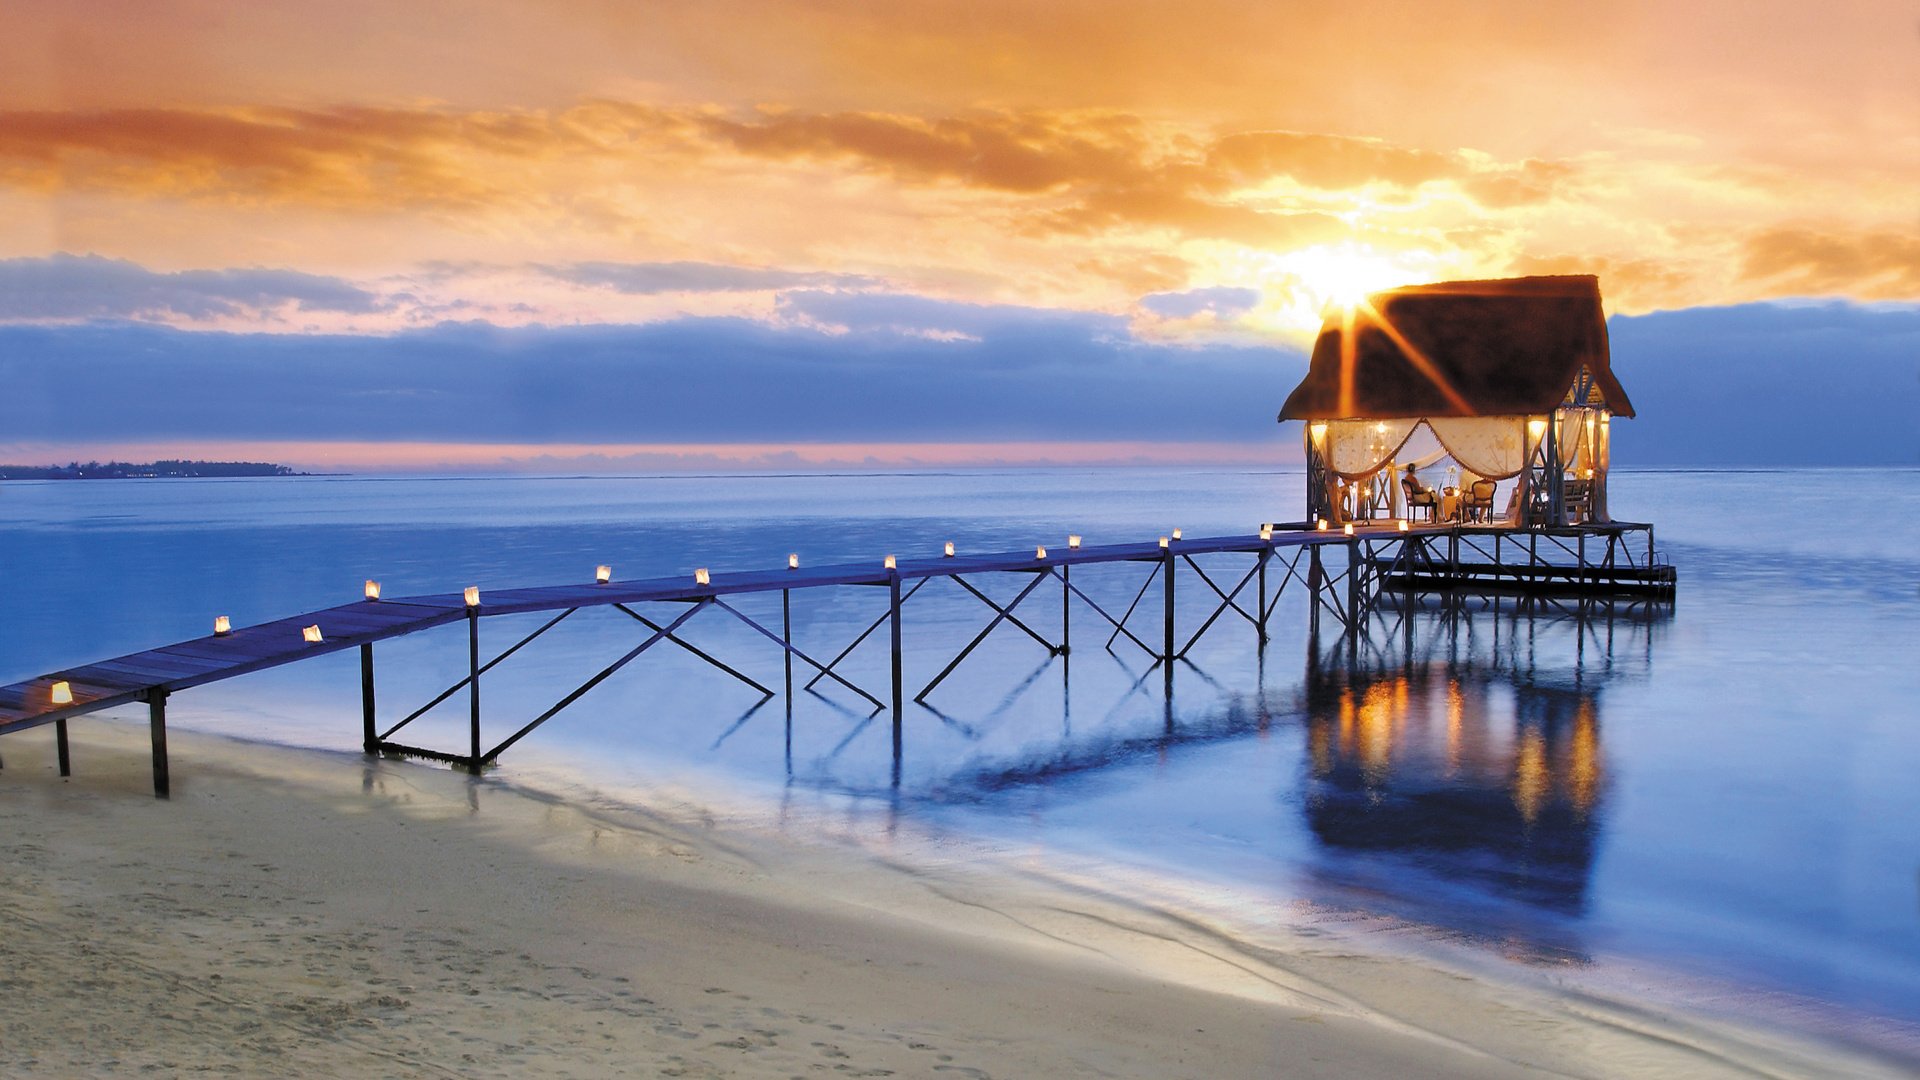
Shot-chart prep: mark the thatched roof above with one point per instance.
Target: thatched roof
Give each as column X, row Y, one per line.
column 1460, row 348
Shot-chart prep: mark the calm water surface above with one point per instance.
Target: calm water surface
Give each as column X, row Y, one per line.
column 1725, row 796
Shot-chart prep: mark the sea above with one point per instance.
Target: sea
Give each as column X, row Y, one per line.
column 1717, row 799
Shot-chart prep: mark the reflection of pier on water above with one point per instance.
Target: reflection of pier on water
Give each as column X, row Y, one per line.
column 1454, row 764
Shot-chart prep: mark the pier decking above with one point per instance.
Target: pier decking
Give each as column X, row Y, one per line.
column 1374, row 559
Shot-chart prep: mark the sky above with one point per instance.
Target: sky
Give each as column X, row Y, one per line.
column 603, row 236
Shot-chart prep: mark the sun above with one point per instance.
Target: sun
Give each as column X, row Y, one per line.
column 1341, row 277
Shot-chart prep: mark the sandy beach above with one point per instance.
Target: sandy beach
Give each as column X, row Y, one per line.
column 306, row 913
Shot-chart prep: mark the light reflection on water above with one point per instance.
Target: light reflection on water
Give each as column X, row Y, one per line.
column 1728, row 789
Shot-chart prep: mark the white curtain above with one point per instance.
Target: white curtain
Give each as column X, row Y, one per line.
column 1494, row 447
column 1357, row 448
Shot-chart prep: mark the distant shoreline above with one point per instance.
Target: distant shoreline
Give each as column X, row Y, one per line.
column 127, row 470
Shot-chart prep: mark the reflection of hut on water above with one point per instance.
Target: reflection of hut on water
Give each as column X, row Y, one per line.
column 1487, row 780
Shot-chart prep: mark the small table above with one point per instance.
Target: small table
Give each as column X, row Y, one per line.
column 1450, row 504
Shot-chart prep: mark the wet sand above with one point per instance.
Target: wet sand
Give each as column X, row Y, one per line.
column 295, row 912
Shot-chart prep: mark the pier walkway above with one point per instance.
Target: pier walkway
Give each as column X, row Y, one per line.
column 1584, row 560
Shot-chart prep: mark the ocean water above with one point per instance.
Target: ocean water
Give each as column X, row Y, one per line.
column 1723, row 796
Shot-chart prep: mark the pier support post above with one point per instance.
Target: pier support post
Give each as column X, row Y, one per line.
column 157, row 724
column 1316, row 582
column 786, row 640
column 1353, row 587
column 1167, row 603
column 1265, row 554
column 60, row 747
column 899, row 686
column 369, row 733
column 1066, row 615
column 473, row 690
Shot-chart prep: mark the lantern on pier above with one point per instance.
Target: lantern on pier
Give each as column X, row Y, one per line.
column 602, row 574
column 1176, row 534
column 372, row 589
column 61, row 693
column 701, row 577
column 949, row 550
column 311, row 634
column 472, row 596
column 1404, row 525
column 1073, row 543
column 222, row 626
column 1163, row 543
column 1040, row 553
column 1266, row 531
column 891, row 564
column 1347, row 528
column 793, row 561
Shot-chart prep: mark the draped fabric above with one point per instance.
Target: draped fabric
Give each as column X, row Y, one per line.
column 1494, row 447
column 1357, row 448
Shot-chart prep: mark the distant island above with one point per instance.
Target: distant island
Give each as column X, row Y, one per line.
column 127, row 470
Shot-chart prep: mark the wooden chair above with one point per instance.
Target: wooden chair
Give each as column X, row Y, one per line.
column 1419, row 498
column 1480, row 500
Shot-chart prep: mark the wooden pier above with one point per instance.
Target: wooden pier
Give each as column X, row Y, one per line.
column 1348, row 575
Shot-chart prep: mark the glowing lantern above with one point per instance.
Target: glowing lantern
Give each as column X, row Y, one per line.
column 891, row 565
column 1163, row 543
column 312, row 634
column 701, row 577
column 1040, row 552
column 1404, row 526
column 1321, row 524
column 602, row 575
column 61, row 693
column 1073, row 542
column 949, row 551
column 793, row 561
column 1266, row 531
column 472, row 596
column 222, row 626
column 1347, row 528
column 372, row 589
column 1176, row 534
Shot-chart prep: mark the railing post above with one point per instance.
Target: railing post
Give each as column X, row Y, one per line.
column 369, row 733
column 1316, row 582
column 60, row 747
column 157, row 725
column 473, row 689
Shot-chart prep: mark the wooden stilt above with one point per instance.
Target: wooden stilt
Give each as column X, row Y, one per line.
column 369, row 732
column 60, row 747
column 157, row 725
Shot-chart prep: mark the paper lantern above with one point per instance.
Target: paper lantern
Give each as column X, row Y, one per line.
column 1321, row 524
column 61, row 693
column 602, row 574
column 949, row 551
column 372, row 589
column 1176, row 534
column 1404, row 526
column 472, row 596
column 1073, row 543
column 793, row 561
column 1040, row 553
column 1163, row 542
column 222, row 626
column 891, row 565
column 312, row 634
column 1347, row 528
column 701, row 577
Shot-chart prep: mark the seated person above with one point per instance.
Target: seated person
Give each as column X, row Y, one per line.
column 1419, row 494
column 1414, row 486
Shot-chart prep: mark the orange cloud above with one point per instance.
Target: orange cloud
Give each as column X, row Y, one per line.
column 1835, row 262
